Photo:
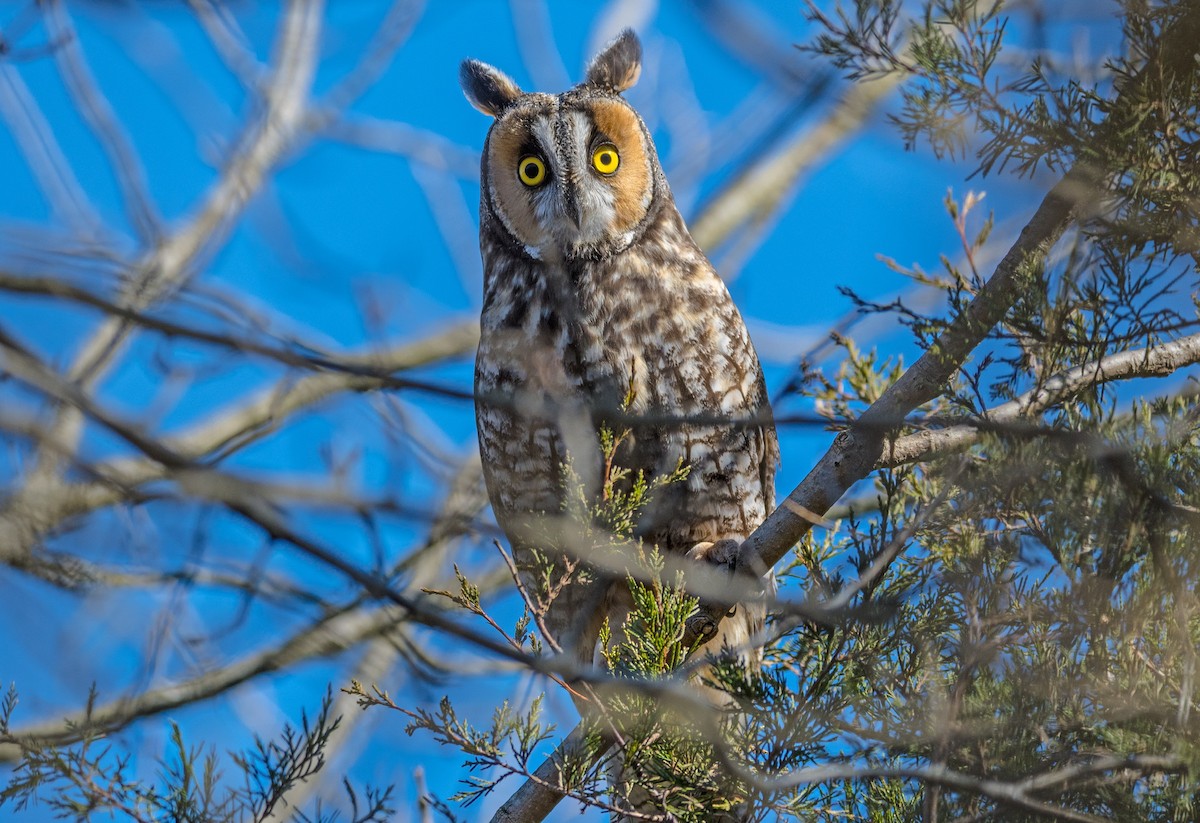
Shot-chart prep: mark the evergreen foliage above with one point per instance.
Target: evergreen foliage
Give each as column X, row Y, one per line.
column 92, row 778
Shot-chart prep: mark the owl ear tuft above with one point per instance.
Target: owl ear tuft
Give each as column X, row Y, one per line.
column 619, row 65
column 487, row 88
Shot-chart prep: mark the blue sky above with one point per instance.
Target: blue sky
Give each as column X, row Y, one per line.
column 348, row 247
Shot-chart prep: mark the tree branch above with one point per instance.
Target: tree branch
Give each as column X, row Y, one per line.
column 1153, row 361
column 43, row 504
column 330, row 634
column 127, row 167
column 542, row 791
column 856, row 451
column 172, row 261
column 327, row 636
column 760, row 190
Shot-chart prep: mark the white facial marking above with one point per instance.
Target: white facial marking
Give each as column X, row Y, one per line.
column 595, row 197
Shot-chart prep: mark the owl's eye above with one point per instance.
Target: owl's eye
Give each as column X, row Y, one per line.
column 605, row 159
column 531, row 170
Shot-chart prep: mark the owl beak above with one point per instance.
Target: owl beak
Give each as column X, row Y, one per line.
column 570, row 197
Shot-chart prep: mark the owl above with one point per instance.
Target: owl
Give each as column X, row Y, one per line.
column 600, row 310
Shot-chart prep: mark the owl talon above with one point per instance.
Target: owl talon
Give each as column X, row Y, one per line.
column 721, row 553
column 702, row 626
column 726, row 553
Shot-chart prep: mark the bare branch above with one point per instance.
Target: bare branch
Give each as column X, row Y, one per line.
column 542, row 791
column 394, row 137
column 228, row 41
column 535, row 39
column 1153, row 361
column 45, row 157
column 91, row 102
column 334, row 632
column 39, row 506
column 389, row 35
column 172, row 262
column 327, row 636
column 760, row 190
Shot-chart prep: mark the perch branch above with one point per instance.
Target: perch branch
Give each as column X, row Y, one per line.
column 1153, row 361
column 856, row 451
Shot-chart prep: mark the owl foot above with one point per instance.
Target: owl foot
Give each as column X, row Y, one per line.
column 725, row 554
column 721, row 553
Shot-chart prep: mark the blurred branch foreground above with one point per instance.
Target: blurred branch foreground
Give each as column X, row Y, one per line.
column 986, row 603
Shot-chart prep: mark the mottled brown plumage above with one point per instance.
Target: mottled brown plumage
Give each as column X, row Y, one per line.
column 594, row 292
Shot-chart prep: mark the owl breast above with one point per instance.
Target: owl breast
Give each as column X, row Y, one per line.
column 566, row 344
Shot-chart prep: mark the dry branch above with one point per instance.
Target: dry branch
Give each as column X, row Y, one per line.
column 93, row 105
column 327, row 636
column 542, row 791
column 1153, row 361
column 44, row 504
column 333, row 632
column 760, row 190
column 173, row 260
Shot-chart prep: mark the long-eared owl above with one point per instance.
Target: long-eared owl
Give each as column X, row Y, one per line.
column 597, row 306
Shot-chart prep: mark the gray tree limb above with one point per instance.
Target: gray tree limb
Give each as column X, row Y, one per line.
column 1153, row 361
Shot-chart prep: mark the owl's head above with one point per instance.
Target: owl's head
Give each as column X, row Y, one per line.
column 571, row 174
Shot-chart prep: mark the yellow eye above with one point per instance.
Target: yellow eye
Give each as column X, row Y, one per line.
column 605, row 159
column 531, row 170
